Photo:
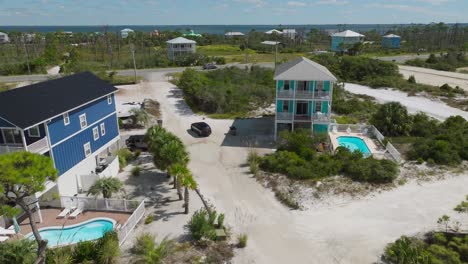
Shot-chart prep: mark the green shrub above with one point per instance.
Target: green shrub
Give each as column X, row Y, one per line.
column 287, row 199
column 60, row 255
column 221, row 221
column 108, row 249
column 149, row 219
column 242, row 240
column 392, row 119
column 201, row 225
column 18, row 251
column 125, row 156
column 136, row 154
column 411, row 79
column 84, row 251
column 147, row 251
column 136, row 171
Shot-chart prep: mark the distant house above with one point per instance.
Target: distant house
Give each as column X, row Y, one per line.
column 391, row 41
column 233, row 34
column 154, row 33
column 341, row 41
column 4, row 37
column 273, row 31
column 304, row 92
column 72, row 120
column 290, row 33
column 191, row 33
column 29, row 37
column 125, row 32
column 180, row 46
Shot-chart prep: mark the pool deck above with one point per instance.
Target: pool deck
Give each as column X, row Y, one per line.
column 373, row 148
column 49, row 218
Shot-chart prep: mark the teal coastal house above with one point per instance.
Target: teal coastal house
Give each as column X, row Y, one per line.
column 304, row 92
column 391, row 41
column 342, row 41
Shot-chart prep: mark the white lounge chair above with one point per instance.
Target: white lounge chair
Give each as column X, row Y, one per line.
column 7, row 232
column 75, row 213
column 64, row 212
column 3, row 238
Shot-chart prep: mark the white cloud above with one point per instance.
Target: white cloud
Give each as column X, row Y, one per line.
column 433, row 2
column 296, row 3
column 332, row 2
column 254, row 3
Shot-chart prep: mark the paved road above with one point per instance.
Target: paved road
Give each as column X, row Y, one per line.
column 145, row 73
column 434, row 77
column 403, row 58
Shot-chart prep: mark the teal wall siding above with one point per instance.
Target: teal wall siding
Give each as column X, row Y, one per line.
column 325, row 107
column 311, row 107
column 311, row 86
column 326, row 85
column 279, row 84
column 320, row 128
column 279, row 106
column 292, row 85
column 291, row 106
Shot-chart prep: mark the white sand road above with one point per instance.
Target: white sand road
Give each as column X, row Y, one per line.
column 434, row 108
column 353, row 232
column 434, row 77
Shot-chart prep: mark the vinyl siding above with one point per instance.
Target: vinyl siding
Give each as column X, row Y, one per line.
column 30, row 140
column 94, row 111
column 70, row 152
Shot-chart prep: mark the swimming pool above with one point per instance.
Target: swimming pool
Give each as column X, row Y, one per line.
column 89, row 230
column 353, row 144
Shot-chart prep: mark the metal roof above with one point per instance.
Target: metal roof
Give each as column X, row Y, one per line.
column 347, row 34
column 391, row 36
column 234, row 34
column 303, row 69
column 273, row 31
column 181, row 40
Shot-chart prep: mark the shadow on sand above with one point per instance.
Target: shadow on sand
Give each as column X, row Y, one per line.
column 252, row 132
column 181, row 106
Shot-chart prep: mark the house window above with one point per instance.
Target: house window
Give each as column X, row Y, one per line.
column 66, row 119
column 302, row 86
column 109, row 99
column 87, row 149
column 319, row 86
column 301, row 108
column 286, row 106
column 95, row 133
column 318, row 106
column 103, row 129
column 286, row 85
column 34, row 132
column 83, row 122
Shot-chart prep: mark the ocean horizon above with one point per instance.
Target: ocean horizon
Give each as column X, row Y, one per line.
column 207, row 29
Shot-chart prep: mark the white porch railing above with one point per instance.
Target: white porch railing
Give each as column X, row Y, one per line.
column 7, row 149
column 40, row 146
column 99, row 204
column 284, row 116
column 132, row 221
column 285, row 94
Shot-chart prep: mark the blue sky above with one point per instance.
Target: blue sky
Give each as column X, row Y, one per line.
column 175, row 12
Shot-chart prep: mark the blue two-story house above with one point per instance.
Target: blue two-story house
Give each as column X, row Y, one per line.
column 72, row 119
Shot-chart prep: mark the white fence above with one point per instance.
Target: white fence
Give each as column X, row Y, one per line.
column 132, row 221
column 373, row 132
column 99, row 204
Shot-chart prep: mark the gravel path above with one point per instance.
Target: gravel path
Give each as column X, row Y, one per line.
column 433, row 108
column 353, row 232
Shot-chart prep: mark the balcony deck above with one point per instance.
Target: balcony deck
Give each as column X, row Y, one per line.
column 40, row 147
column 302, row 118
column 289, row 94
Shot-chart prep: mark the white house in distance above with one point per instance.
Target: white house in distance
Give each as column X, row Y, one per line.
column 233, row 34
column 4, row 37
column 289, row 33
column 273, row 31
column 342, row 40
column 125, row 32
column 180, row 46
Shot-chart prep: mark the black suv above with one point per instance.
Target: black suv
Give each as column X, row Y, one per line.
column 201, row 128
column 136, row 142
column 210, row 66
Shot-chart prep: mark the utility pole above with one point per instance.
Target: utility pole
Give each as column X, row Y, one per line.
column 132, row 48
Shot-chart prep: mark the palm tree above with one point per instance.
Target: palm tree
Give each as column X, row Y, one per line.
column 140, row 116
column 178, row 171
column 188, row 182
column 147, row 251
column 106, row 186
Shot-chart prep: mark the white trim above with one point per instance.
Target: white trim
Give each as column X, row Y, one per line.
column 11, row 122
column 109, row 99
column 102, row 126
column 85, row 121
column 79, row 131
column 51, row 152
column 87, row 146
column 66, row 116
column 69, row 110
column 38, row 132
column 95, row 133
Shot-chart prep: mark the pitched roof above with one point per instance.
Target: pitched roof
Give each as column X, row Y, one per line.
column 33, row 104
column 391, row 36
column 273, row 31
column 347, row 33
column 234, row 33
column 127, row 30
column 303, row 69
column 181, row 40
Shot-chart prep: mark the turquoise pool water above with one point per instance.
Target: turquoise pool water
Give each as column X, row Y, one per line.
column 70, row 235
column 353, row 144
